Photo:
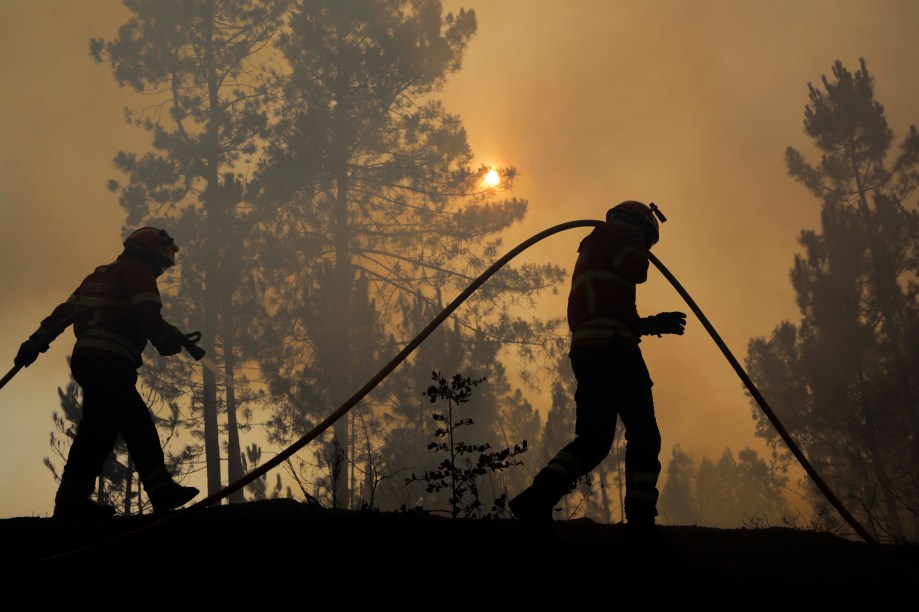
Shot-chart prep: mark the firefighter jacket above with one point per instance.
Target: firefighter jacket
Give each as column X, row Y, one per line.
column 612, row 260
column 124, row 311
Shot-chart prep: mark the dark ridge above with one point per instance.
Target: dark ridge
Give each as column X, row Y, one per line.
column 229, row 549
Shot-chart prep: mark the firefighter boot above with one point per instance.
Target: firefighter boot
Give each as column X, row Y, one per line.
column 534, row 505
column 72, row 502
column 165, row 493
column 640, row 523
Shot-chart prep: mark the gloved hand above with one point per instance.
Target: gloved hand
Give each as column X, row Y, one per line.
column 29, row 350
column 170, row 342
column 663, row 323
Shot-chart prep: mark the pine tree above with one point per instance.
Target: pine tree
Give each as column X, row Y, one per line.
column 677, row 502
column 196, row 58
column 844, row 380
column 728, row 493
column 377, row 212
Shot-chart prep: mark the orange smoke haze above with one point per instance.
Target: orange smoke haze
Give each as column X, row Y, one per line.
column 687, row 104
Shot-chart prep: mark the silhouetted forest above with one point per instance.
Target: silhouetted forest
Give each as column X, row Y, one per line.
column 845, row 378
column 327, row 207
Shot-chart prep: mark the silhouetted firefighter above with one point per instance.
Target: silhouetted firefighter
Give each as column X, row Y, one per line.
column 118, row 308
column 612, row 379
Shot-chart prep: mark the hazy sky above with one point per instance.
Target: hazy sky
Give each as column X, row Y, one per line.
column 689, row 104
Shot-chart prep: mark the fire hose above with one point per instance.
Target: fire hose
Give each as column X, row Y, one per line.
column 418, row 339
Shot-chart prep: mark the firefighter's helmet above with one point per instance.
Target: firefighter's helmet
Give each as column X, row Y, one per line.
column 640, row 214
column 155, row 241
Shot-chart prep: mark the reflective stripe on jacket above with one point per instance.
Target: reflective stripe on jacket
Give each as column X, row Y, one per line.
column 612, row 260
column 124, row 303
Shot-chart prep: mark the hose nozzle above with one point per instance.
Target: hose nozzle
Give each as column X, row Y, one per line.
column 190, row 343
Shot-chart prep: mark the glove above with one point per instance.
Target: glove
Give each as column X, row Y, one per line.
column 663, row 323
column 170, row 341
column 29, row 350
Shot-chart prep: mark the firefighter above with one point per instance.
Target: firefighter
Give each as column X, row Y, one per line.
column 119, row 306
column 612, row 378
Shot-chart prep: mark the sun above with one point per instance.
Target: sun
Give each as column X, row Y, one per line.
column 492, row 179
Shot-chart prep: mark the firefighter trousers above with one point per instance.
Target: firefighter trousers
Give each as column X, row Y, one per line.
column 111, row 407
column 614, row 382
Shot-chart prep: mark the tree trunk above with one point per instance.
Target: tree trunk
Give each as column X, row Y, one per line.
column 128, row 487
column 602, row 473
column 352, row 453
column 888, row 497
column 234, row 452
column 209, row 326
column 620, row 480
column 340, row 352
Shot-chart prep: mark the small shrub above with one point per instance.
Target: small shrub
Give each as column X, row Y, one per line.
column 463, row 471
